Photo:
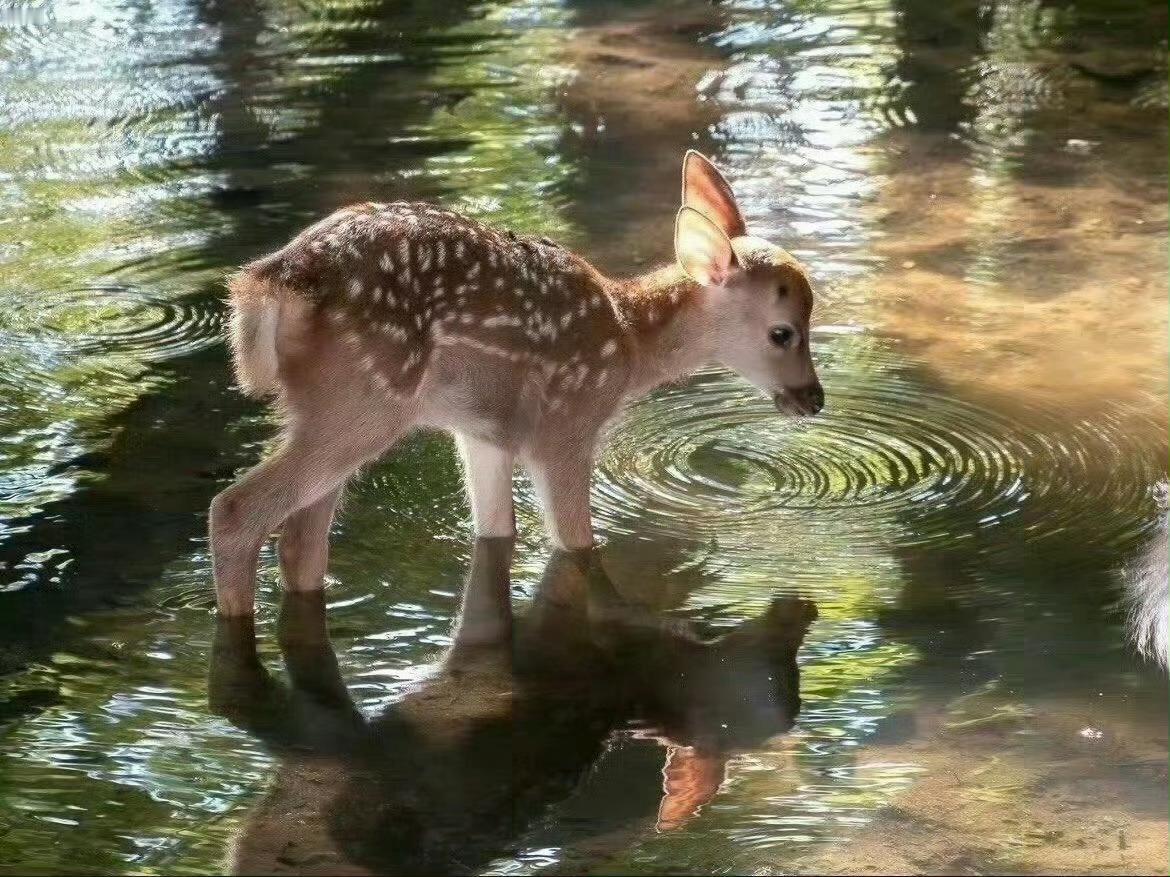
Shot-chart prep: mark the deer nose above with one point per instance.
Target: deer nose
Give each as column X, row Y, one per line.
column 816, row 398
column 810, row 398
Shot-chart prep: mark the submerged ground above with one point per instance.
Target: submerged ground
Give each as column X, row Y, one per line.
column 980, row 193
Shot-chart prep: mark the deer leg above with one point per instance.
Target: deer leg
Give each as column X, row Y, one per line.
column 562, row 483
column 304, row 544
column 489, row 486
column 300, row 474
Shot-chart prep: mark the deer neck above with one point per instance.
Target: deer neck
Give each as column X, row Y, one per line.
column 668, row 325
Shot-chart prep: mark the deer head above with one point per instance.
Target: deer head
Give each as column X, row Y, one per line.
column 760, row 292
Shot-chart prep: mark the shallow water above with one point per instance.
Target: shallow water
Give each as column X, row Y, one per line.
column 979, row 191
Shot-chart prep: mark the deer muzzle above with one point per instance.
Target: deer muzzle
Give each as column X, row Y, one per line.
column 803, row 401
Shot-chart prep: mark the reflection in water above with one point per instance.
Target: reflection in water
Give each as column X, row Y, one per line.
column 516, row 713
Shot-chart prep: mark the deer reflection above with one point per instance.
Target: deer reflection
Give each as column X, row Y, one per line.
column 518, row 710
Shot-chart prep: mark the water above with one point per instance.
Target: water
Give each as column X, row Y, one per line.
column 980, row 193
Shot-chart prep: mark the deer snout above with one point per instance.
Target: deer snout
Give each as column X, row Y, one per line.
column 807, row 399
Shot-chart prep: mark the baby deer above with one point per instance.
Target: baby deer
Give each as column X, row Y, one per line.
column 385, row 317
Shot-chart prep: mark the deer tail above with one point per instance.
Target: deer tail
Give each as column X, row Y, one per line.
column 255, row 316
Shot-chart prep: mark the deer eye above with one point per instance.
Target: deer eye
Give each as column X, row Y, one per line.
column 782, row 335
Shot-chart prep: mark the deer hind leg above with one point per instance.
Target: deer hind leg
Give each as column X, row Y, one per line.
column 312, row 465
column 488, row 470
column 304, row 544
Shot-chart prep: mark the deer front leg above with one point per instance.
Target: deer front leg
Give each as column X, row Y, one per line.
column 488, row 471
column 561, row 476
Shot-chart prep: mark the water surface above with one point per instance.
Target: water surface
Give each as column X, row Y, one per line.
column 979, row 191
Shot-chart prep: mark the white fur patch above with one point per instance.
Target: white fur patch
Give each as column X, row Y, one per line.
column 501, row 320
column 1148, row 594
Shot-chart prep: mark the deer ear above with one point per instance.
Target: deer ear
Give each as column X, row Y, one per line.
column 702, row 250
column 689, row 780
column 705, row 190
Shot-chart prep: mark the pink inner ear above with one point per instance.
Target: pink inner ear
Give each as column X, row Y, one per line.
column 703, row 250
column 705, row 190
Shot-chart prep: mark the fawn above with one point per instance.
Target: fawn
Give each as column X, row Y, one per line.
column 385, row 317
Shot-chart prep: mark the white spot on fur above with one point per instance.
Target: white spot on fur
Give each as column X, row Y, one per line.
column 609, row 348
column 385, row 262
column 355, row 287
column 500, row 320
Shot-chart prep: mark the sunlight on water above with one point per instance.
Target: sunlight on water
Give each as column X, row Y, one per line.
column 979, row 192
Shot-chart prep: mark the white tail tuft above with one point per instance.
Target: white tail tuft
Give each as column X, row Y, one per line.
column 1148, row 593
column 253, row 336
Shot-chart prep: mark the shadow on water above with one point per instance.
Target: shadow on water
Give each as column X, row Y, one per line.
column 170, row 447
column 514, row 718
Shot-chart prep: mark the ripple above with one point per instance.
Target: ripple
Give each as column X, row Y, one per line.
column 702, row 460
column 105, row 319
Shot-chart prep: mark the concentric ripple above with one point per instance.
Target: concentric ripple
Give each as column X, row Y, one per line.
column 713, row 457
column 105, row 319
